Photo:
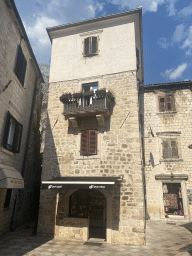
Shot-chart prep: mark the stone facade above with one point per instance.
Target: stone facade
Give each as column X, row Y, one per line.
column 23, row 103
column 172, row 124
column 118, row 148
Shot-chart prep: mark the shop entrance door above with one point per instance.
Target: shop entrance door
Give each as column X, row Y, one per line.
column 97, row 215
column 172, row 197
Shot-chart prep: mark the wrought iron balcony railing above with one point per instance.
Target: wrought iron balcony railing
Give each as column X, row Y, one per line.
column 99, row 102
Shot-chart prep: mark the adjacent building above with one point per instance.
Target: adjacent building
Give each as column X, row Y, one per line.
column 167, row 134
column 92, row 180
column 20, row 104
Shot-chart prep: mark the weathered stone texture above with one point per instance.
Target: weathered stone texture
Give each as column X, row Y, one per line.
column 176, row 121
column 16, row 99
column 119, row 153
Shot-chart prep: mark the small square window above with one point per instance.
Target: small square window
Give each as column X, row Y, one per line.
column 170, row 149
column 88, row 142
column 90, row 46
column 166, row 103
column 12, row 134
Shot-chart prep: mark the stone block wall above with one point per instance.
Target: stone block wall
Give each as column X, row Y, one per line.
column 119, row 151
column 176, row 121
column 15, row 98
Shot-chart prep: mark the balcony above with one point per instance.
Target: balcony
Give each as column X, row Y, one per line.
column 99, row 102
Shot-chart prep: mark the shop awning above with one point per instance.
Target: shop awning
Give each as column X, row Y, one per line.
column 81, row 183
column 10, row 177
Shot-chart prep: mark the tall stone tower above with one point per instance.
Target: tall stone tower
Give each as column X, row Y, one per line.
column 92, row 174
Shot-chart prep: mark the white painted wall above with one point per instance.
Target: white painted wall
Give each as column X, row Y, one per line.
column 117, row 53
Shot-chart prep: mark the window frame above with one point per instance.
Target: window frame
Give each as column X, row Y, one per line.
column 87, row 141
column 13, row 134
column 168, row 105
column 169, row 152
column 20, row 65
column 88, row 46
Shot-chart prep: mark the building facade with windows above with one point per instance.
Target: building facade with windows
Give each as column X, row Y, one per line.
column 20, row 104
column 167, row 149
column 92, row 182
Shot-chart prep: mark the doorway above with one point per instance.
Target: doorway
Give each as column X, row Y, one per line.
column 97, row 215
column 90, row 204
column 172, row 198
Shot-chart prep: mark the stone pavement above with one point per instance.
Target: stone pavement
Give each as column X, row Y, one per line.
column 162, row 238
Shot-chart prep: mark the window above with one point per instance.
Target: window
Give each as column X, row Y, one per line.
column 12, row 134
column 8, row 198
column 90, row 46
column 20, row 67
column 166, row 103
column 170, row 148
column 88, row 142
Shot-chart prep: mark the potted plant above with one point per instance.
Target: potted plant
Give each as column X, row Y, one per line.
column 101, row 92
column 65, row 97
column 77, row 95
column 88, row 93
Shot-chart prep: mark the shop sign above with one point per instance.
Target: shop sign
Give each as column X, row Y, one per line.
column 51, row 186
column 92, row 186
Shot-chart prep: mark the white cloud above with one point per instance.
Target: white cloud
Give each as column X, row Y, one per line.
column 163, row 42
column 148, row 5
column 173, row 74
column 170, row 5
column 186, row 12
column 37, row 32
column 187, row 44
column 178, row 34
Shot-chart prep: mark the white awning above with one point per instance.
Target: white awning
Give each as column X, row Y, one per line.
column 10, row 177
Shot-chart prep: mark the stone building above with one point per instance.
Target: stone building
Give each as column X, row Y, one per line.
column 92, row 166
column 167, row 135
column 20, row 104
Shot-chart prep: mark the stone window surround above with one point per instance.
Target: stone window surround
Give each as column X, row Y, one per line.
column 163, row 94
column 184, row 196
column 169, row 135
column 109, row 198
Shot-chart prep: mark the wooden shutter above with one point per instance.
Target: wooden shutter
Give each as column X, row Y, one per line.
column 94, row 45
column 168, row 102
column 161, row 104
column 174, row 149
column 92, row 142
column 20, row 67
column 17, row 137
column 86, row 46
column 6, row 131
column 166, row 149
column 84, row 143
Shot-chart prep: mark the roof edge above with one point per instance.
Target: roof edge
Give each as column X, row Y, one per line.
column 97, row 19
column 25, row 35
column 171, row 85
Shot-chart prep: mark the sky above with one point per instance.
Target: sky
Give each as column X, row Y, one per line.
column 167, row 30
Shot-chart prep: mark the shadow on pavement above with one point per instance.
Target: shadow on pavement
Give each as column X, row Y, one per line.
column 21, row 241
column 188, row 226
column 187, row 248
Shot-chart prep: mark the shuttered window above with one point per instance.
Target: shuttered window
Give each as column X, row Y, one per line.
column 166, row 103
column 170, row 148
column 90, row 46
column 88, row 142
column 12, row 134
column 20, row 66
